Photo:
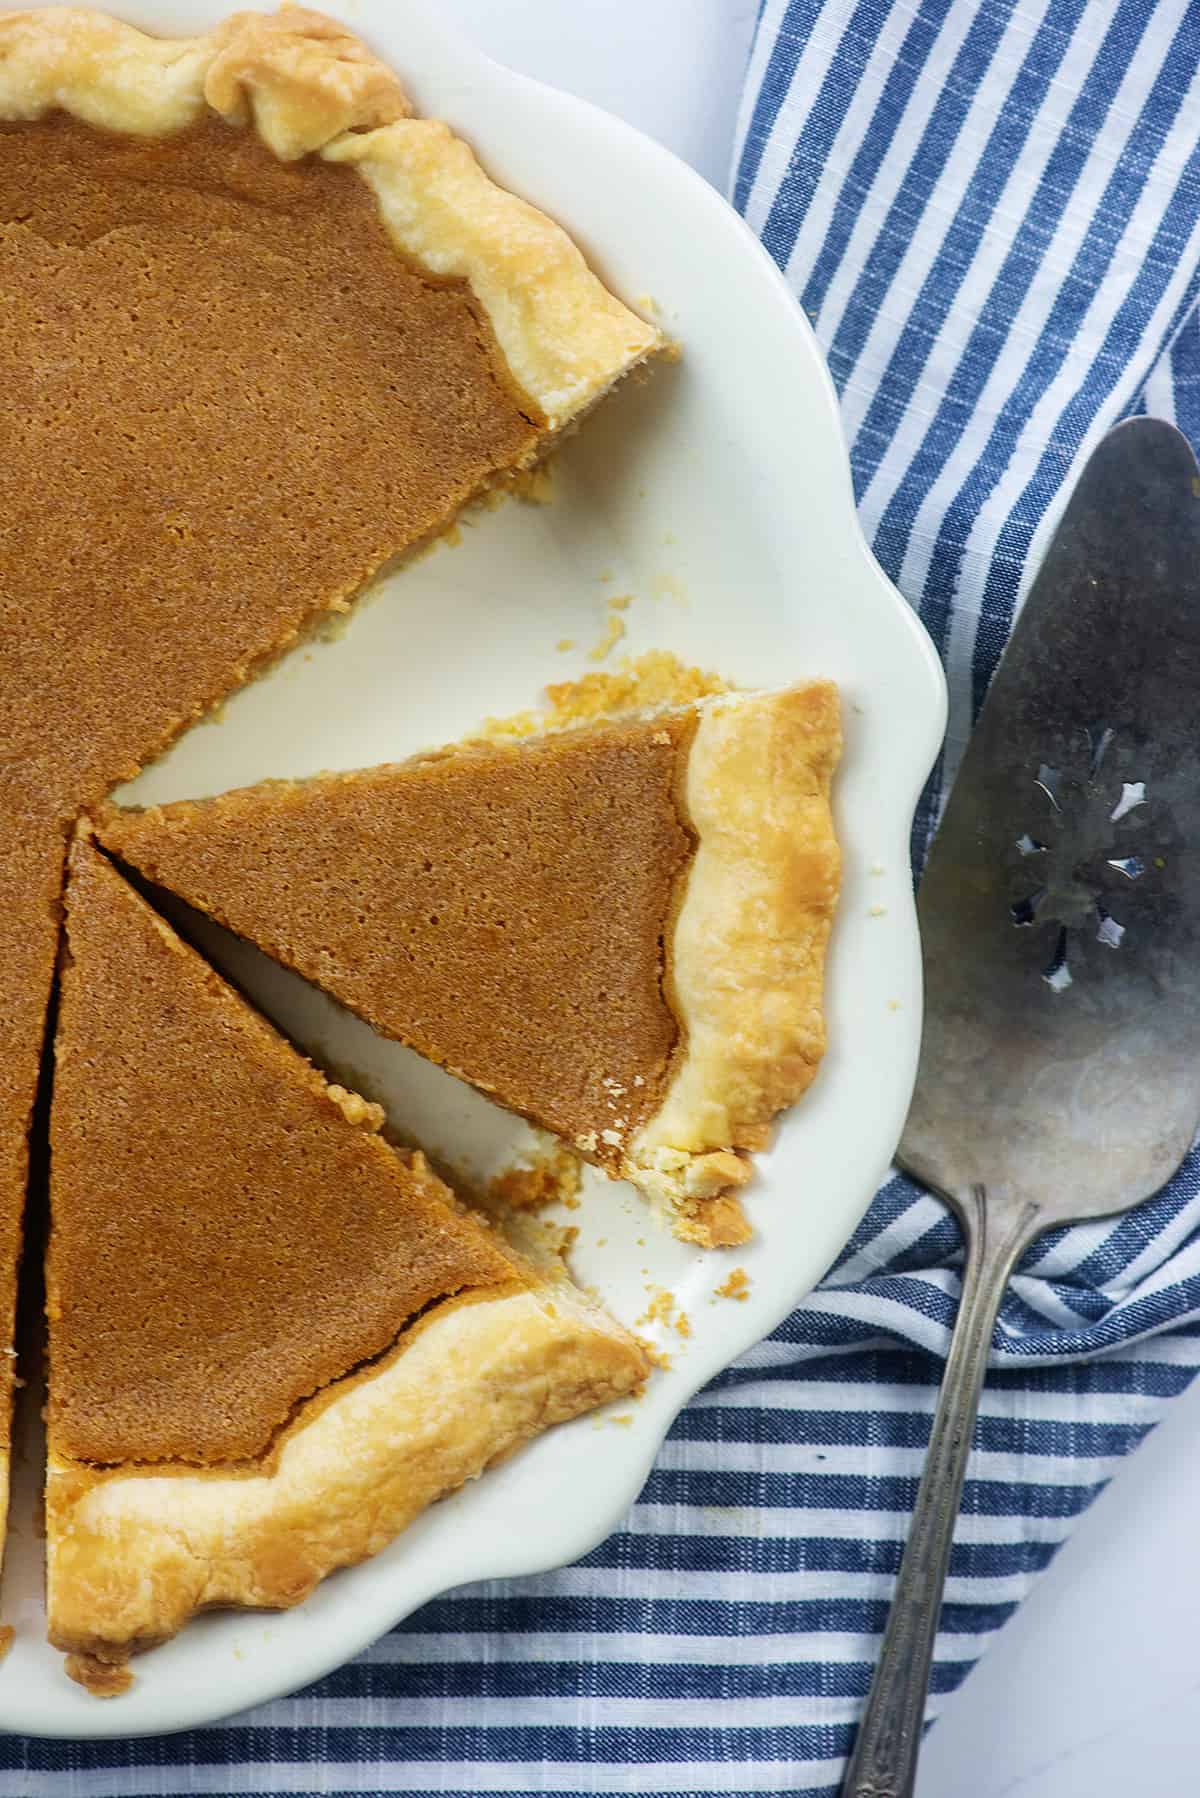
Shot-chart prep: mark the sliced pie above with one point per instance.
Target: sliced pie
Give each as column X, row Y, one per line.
column 618, row 931
column 273, row 1339
column 261, row 333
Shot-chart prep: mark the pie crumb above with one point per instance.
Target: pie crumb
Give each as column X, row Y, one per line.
column 614, row 630
column 643, row 683
column 548, row 1179
column 737, row 1286
column 534, row 486
column 661, row 1308
column 564, row 643
column 656, row 1356
column 8, row 1636
column 355, row 1109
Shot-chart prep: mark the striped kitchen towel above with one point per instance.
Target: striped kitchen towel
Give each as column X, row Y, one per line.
column 991, row 212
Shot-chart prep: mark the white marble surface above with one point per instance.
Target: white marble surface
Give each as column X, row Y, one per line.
column 1090, row 1691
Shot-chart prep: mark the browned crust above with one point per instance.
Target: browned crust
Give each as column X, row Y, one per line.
column 134, row 1552
column 748, row 950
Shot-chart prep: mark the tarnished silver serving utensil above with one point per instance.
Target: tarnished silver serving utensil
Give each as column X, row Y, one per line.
column 1060, row 917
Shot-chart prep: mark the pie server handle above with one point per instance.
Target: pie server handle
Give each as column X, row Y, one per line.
column 884, row 1761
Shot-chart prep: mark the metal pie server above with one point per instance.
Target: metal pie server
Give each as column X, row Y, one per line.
column 1060, row 917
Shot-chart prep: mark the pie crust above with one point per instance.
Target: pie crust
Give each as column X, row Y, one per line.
column 133, row 1552
column 747, row 964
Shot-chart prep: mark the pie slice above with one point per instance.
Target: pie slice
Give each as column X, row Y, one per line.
column 262, row 332
column 273, row 1338
column 618, row 931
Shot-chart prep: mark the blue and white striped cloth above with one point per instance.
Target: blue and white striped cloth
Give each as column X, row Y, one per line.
column 991, row 211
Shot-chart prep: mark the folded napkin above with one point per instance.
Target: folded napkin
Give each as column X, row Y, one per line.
column 991, row 212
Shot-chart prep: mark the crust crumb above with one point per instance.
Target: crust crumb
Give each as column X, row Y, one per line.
column 643, row 683
column 8, row 1636
column 535, row 486
column 355, row 1109
column 656, row 1356
column 549, row 1179
column 614, row 630
column 737, row 1286
column 662, row 1309
column 714, row 1223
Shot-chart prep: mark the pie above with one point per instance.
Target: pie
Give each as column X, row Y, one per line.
column 618, row 930
column 273, row 1338
column 262, row 333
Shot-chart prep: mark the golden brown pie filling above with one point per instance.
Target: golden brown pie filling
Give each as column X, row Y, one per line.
column 273, row 1339
column 501, row 910
column 223, row 1244
column 228, row 401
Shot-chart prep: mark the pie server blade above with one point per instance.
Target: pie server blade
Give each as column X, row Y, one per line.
column 1059, row 1076
column 1060, row 909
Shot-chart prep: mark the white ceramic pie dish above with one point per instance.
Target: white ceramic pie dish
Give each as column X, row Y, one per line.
column 718, row 495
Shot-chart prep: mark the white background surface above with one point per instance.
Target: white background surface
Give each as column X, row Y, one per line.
column 1091, row 1691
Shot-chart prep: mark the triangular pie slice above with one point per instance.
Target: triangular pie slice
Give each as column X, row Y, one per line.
column 263, row 332
column 273, row 1338
column 618, row 931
